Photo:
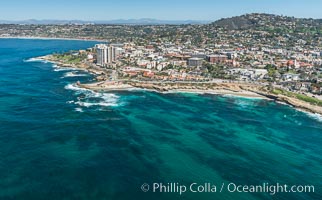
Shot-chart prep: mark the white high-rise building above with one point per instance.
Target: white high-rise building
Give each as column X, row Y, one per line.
column 101, row 50
column 110, row 54
column 107, row 54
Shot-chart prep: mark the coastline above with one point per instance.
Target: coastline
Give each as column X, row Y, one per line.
column 60, row 64
column 234, row 89
column 297, row 104
column 116, row 86
column 50, row 38
column 244, row 94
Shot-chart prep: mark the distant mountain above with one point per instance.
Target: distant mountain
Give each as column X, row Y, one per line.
column 260, row 20
column 34, row 21
column 247, row 21
column 151, row 21
column 144, row 21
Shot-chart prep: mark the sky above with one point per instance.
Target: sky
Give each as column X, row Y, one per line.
column 157, row 9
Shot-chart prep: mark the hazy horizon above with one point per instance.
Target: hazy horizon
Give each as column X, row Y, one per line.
column 147, row 18
column 128, row 20
column 173, row 10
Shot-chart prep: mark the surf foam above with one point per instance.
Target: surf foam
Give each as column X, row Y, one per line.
column 72, row 74
column 88, row 98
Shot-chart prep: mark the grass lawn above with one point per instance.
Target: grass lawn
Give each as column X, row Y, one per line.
column 302, row 97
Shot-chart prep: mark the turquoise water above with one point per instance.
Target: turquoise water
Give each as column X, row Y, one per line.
column 60, row 142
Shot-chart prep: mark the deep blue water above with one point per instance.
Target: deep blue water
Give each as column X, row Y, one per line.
column 60, row 142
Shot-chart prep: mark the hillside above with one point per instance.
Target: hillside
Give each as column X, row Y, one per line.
column 267, row 21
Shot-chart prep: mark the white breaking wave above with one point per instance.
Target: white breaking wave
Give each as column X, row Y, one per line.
column 58, row 68
column 87, row 104
column 315, row 116
column 75, row 88
column 245, row 103
column 72, row 74
column 79, row 110
column 88, row 98
column 33, row 60
column 37, row 60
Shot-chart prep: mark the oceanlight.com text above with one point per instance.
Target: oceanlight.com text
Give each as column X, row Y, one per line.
column 180, row 189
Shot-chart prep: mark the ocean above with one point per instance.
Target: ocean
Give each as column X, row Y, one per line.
column 58, row 141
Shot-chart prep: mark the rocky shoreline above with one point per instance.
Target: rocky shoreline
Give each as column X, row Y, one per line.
column 219, row 89
column 242, row 90
column 236, row 89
